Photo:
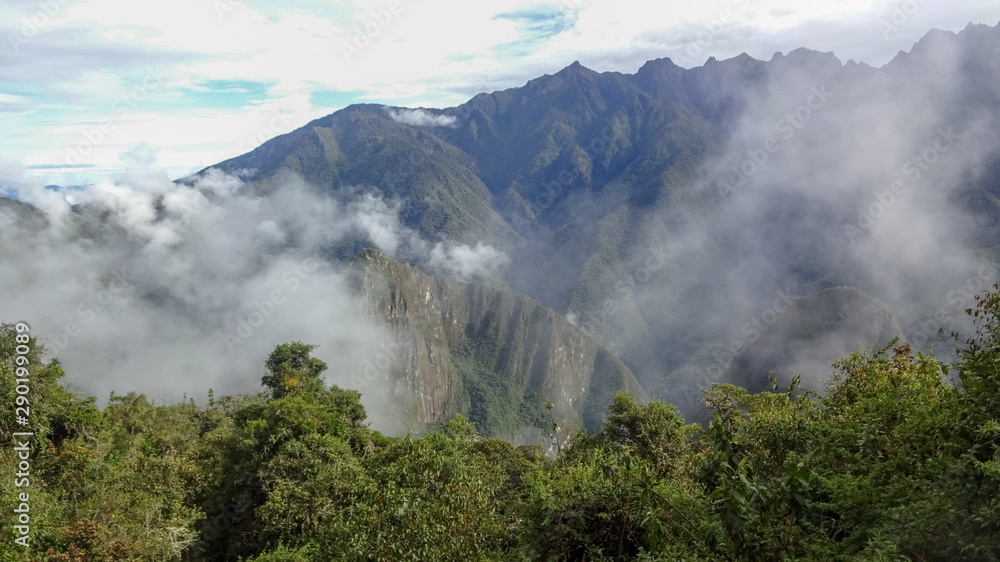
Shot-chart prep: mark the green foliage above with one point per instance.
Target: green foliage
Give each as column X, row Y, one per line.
column 605, row 504
column 55, row 413
column 655, row 432
column 111, row 485
column 290, row 368
column 497, row 405
column 279, row 470
column 751, row 473
column 428, row 499
column 285, row 554
column 892, row 462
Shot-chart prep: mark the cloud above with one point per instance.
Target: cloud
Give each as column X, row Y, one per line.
column 10, row 103
column 467, row 263
column 373, row 218
column 10, row 170
column 828, row 177
column 172, row 289
column 421, row 118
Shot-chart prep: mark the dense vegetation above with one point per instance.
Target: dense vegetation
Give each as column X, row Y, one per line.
column 895, row 461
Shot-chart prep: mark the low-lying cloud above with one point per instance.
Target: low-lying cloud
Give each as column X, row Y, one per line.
column 832, row 177
column 171, row 289
column 422, row 118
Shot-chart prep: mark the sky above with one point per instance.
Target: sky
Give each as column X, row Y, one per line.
column 88, row 86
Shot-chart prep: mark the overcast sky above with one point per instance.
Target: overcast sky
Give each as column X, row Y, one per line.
column 87, row 86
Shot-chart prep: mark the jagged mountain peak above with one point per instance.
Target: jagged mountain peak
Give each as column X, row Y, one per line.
column 659, row 65
column 973, row 38
column 575, row 68
column 575, row 76
column 933, row 40
column 805, row 55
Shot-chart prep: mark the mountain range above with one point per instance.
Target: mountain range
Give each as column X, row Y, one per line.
column 616, row 195
column 660, row 231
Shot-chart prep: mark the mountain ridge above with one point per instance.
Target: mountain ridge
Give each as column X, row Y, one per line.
column 578, row 175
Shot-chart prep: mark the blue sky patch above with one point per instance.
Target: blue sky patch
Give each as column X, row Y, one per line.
column 536, row 25
column 225, row 94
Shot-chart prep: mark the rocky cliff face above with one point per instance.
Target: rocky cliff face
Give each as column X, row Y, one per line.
column 486, row 353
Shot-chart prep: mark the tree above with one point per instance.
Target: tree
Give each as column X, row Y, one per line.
column 290, row 367
column 280, row 469
column 654, row 432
